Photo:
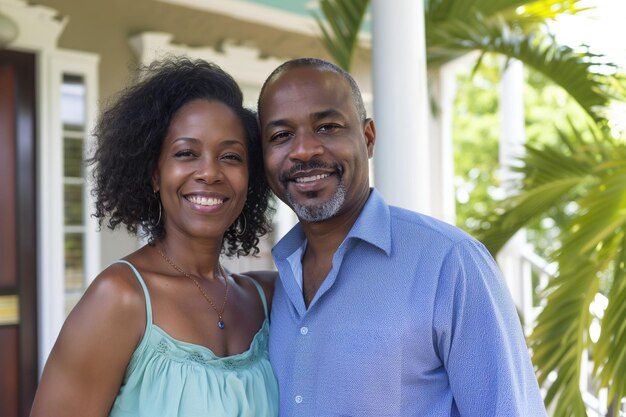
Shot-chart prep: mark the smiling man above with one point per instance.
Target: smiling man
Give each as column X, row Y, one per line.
column 378, row 311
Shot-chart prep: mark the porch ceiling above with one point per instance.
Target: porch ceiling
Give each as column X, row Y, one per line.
column 192, row 26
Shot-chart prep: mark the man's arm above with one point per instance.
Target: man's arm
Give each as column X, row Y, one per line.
column 480, row 340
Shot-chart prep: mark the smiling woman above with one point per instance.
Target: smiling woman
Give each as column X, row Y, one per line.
column 177, row 160
column 202, row 172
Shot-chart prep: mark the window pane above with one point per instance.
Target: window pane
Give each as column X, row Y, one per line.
column 73, row 157
column 73, row 204
column 74, row 270
column 73, row 102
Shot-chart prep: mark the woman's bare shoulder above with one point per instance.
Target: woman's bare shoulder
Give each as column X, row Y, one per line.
column 119, row 287
column 266, row 278
column 87, row 363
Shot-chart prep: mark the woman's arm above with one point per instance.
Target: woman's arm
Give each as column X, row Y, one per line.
column 86, row 366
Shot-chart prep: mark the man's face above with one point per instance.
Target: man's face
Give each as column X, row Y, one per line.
column 315, row 146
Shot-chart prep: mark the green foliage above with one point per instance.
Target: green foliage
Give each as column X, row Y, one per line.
column 340, row 27
column 456, row 27
column 589, row 173
column 577, row 72
column 475, row 135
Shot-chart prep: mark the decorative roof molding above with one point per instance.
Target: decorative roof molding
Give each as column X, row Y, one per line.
column 265, row 15
column 39, row 26
column 255, row 13
column 242, row 62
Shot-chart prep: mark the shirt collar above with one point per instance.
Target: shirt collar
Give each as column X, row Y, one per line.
column 373, row 226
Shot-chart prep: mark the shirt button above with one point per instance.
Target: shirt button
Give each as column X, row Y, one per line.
column 298, row 399
column 304, row 330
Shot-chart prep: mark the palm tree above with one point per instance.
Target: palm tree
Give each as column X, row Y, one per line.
column 457, row 27
column 590, row 174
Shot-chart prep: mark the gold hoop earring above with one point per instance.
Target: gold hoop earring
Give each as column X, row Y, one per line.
column 241, row 230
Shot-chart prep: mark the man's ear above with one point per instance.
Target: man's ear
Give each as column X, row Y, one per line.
column 369, row 131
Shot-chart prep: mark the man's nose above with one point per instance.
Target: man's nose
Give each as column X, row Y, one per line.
column 306, row 146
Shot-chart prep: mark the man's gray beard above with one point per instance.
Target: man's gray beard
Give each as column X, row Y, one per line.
column 320, row 212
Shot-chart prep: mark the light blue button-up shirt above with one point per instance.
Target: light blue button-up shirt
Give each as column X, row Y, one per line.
column 413, row 319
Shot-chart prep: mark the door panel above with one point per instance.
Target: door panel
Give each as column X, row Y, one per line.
column 18, row 256
column 9, row 393
column 8, row 259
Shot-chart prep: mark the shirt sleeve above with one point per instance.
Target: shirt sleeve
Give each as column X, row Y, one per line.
column 478, row 337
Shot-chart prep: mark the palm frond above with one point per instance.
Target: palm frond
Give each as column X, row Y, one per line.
column 593, row 246
column 552, row 173
column 442, row 10
column 581, row 73
column 522, row 12
column 557, row 341
column 611, row 347
column 340, row 26
column 542, row 10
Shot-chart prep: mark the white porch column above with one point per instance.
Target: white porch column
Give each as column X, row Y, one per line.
column 401, row 155
column 510, row 259
column 443, row 90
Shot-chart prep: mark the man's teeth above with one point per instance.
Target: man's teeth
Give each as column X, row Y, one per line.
column 204, row 201
column 312, row 178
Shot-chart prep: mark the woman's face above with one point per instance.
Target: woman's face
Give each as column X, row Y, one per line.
column 202, row 172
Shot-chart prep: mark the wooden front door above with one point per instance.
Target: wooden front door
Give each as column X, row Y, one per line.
column 18, row 256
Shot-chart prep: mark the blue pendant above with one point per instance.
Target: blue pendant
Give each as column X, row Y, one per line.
column 220, row 324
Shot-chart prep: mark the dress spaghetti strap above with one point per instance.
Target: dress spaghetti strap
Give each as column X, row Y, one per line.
column 261, row 293
column 145, row 291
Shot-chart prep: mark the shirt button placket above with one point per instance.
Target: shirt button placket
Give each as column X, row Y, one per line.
column 300, row 385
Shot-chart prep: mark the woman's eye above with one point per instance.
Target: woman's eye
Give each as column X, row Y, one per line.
column 233, row 157
column 184, row 153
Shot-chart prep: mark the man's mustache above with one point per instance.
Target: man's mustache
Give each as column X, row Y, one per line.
column 298, row 167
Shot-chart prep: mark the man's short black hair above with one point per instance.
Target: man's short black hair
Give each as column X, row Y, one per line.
column 322, row 64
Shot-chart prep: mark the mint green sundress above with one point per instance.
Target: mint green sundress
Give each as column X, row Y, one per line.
column 171, row 378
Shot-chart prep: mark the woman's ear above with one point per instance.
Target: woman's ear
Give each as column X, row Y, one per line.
column 155, row 181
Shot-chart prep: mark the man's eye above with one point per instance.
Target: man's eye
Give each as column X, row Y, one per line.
column 328, row 128
column 280, row 136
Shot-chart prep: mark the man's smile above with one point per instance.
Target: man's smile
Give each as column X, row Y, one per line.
column 312, row 178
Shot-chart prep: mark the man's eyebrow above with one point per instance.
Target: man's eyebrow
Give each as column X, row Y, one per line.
column 325, row 114
column 320, row 115
column 275, row 123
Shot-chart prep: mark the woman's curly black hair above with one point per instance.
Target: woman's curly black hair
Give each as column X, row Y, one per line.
column 129, row 136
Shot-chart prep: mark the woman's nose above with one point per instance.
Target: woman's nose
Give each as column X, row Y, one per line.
column 208, row 170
